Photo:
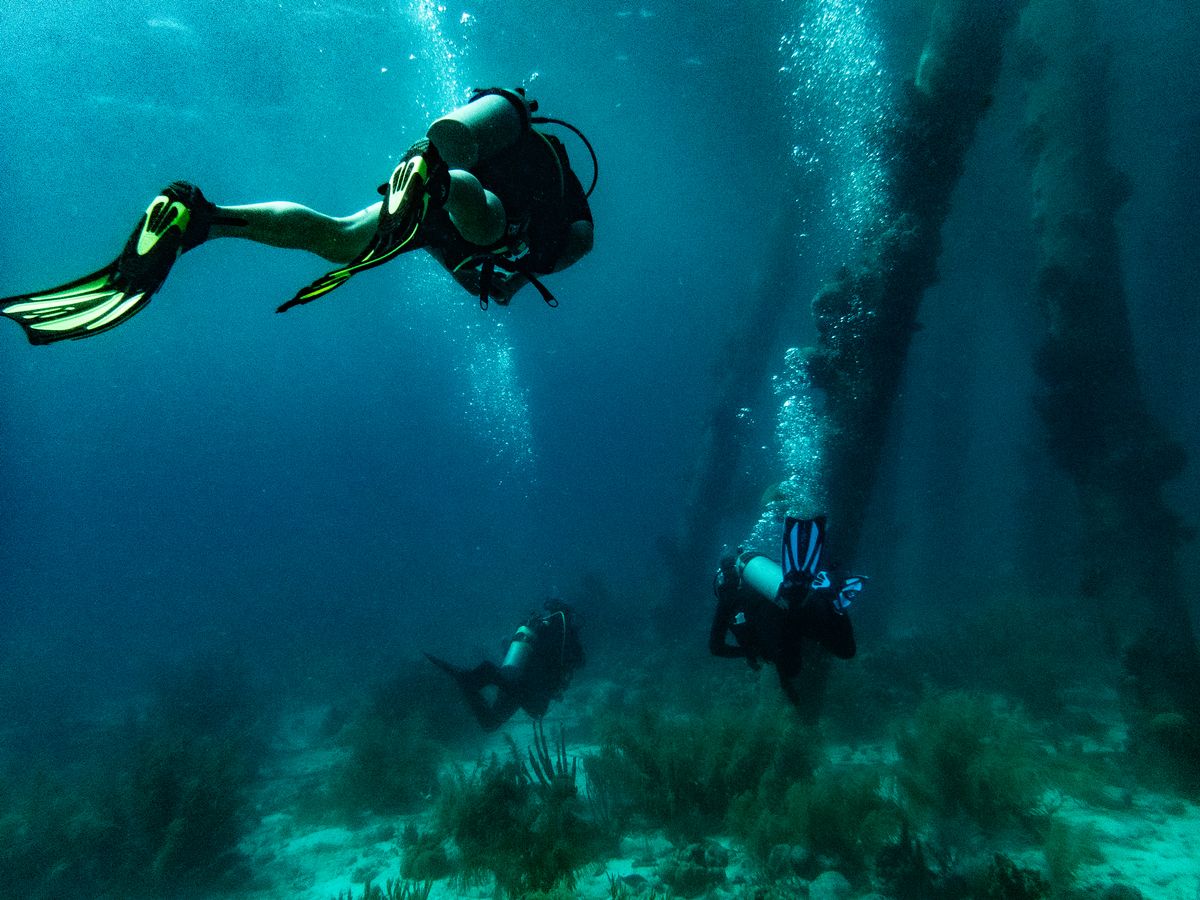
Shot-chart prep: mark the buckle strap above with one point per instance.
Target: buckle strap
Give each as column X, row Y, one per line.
column 489, row 262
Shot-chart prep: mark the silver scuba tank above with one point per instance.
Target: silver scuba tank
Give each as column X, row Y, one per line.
column 519, row 649
column 761, row 574
column 484, row 126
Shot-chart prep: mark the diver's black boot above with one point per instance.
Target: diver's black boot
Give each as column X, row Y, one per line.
column 177, row 220
column 470, row 681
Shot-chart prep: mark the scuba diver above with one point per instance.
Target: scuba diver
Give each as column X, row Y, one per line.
column 771, row 610
column 492, row 198
column 542, row 657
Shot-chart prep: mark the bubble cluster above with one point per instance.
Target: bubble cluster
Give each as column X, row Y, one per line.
column 842, row 101
column 443, row 54
column 798, row 433
column 496, row 407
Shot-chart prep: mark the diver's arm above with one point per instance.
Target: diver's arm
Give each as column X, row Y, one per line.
column 725, row 590
column 717, row 645
column 577, row 245
column 834, row 631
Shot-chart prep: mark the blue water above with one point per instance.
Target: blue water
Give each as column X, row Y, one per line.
column 391, row 469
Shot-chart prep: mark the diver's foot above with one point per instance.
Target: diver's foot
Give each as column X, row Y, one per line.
column 468, row 680
column 420, row 181
column 177, row 220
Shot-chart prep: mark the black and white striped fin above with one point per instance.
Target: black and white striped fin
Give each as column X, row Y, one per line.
column 803, row 541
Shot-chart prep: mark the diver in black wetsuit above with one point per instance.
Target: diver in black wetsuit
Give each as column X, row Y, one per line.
column 487, row 192
column 770, row 609
column 542, row 657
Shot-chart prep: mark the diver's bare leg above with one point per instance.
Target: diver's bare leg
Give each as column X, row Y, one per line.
column 294, row 227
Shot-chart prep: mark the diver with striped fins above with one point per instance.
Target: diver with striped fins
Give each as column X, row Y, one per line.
column 803, row 544
column 487, row 192
column 770, row 609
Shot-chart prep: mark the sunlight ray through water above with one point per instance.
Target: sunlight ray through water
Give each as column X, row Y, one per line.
column 495, row 405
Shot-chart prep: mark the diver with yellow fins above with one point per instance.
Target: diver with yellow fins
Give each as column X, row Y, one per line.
column 540, row 660
column 771, row 609
column 487, row 194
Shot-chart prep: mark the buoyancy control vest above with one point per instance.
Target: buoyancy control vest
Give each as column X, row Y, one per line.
column 492, row 138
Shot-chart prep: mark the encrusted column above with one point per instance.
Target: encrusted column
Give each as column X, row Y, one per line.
column 1100, row 429
column 866, row 316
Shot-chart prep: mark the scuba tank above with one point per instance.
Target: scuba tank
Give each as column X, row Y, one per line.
column 493, row 120
column 519, row 649
column 761, row 574
column 490, row 121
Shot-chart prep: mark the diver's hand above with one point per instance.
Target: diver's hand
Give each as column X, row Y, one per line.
column 753, row 662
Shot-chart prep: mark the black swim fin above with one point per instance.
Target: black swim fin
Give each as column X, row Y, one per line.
column 420, row 178
column 448, row 668
column 76, row 310
column 851, row 587
column 803, row 543
column 176, row 220
column 466, row 679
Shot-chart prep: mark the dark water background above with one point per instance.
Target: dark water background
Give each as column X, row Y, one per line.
column 336, row 488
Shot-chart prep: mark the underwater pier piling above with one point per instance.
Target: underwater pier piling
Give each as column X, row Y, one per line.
column 866, row 316
column 1099, row 427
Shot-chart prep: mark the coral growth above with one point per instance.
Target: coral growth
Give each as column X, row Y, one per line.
column 425, row 856
column 681, row 772
column 1005, row 880
column 527, row 830
column 1069, row 847
column 392, row 766
column 969, row 756
column 696, row 869
column 395, row 745
column 839, row 813
column 393, row 889
column 163, row 806
column 1162, row 703
column 183, row 806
